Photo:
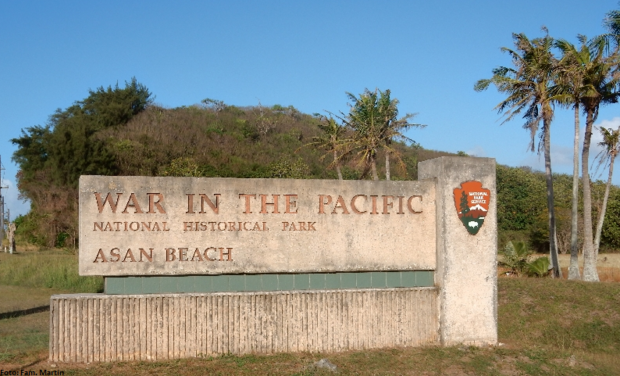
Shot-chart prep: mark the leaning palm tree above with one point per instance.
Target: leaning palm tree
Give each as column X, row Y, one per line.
column 528, row 86
column 611, row 145
column 600, row 84
column 393, row 128
column 331, row 140
column 569, row 90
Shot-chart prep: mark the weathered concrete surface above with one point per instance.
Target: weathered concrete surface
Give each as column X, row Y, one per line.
column 316, row 226
column 466, row 264
column 104, row 328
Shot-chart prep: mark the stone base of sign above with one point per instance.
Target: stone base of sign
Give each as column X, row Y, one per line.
column 466, row 271
column 101, row 328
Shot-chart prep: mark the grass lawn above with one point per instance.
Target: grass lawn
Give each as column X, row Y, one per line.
column 546, row 327
column 17, row 298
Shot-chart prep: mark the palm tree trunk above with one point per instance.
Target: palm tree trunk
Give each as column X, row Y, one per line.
column 387, row 165
column 589, row 256
column 373, row 166
column 601, row 217
column 337, row 165
column 553, row 250
column 573, row 269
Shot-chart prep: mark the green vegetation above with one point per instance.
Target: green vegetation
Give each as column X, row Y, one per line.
column 546, row 327
column 522, row 213
column 118, row 131
column 46, row 269
column 24, row 339
column 528, row 89
column 373, row 123
column 136, row 137
column 515, row 257
column 582, row 78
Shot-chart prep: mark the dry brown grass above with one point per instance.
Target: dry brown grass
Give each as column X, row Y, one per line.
column 608, row 266
column 16, row 298
column 605, row 274
column 607, row 260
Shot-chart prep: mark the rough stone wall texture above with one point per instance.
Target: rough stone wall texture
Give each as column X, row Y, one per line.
column 102, row 328
column 466, row 271
column 339, row 226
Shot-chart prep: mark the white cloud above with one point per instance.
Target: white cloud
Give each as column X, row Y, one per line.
column 12, row 201
column 562, row 155
column 476, row 151
column 561, row 159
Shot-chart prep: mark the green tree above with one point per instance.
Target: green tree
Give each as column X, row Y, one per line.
column 610, row 236
column 52, row 158
column 520, row 198
column 392, row 129
column 365, row 120
column 73, row 149
column 287, row 169
column 331, row 140
column 611, row 145
column 108, row 107
column 31, row 154
column 528, row 86
column 600, row 87
column 571, row 73
column 183, row 167
column 373, row 116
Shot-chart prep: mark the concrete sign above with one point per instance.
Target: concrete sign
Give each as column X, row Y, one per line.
column 212, row 266
column 157, row 226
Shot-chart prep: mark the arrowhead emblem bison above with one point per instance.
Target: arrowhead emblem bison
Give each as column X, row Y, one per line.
column 472, row 204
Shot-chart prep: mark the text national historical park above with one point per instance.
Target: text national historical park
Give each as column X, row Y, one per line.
column 199, row 266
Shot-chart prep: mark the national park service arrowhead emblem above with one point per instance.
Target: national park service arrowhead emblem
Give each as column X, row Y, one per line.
column 472, row 204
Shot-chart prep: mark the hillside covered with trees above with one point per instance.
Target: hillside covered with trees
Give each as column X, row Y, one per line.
column 120, row 131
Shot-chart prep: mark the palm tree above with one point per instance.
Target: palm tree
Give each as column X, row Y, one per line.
column 611, row 144
column 599, row 87
column 374, row 119
column 393, row 128
column 570, row 74
column 612, row 21
column 365, row 120
column 528, row 86
column 331, row 141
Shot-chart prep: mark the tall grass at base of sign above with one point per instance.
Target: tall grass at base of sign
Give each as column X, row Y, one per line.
column 50, row 269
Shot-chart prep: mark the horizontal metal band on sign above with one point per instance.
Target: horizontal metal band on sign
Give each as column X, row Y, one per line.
column 267, row 282
column 106, row 328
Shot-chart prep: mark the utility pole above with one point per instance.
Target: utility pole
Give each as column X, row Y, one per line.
column 11, row 230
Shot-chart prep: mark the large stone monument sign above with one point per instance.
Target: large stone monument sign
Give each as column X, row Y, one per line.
column 157, row 226
column 204, row 266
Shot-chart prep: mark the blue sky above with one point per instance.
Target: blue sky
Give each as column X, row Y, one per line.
column 301, row 53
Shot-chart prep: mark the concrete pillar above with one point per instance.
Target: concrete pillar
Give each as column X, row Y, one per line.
column 466, row 248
